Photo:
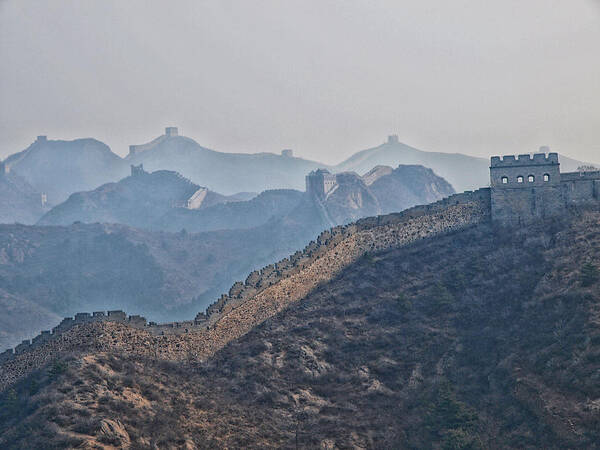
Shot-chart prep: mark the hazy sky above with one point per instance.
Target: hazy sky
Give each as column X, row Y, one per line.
column 326, row 78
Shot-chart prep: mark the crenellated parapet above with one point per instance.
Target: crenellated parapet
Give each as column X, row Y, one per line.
column 524, row 160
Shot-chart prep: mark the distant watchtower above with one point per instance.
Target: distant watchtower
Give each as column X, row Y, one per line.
column 171, row 131
column 320, row 182
column 133, row 150
column 288, row 153
column 42, row 139
column 392, row 139
column 137, row 170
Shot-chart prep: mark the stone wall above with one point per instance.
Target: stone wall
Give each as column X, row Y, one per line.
column 264, row 292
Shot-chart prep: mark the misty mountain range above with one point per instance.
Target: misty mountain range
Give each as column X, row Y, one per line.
column 187, row 224
column 158, row 201
column 65, row 267
column 61, row 168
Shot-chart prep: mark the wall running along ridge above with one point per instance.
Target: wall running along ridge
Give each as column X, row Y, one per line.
column 262, row 295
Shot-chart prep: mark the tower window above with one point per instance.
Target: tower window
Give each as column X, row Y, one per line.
column 504, row 180
column 520, row 179
column 546, row 177
column 531, row 178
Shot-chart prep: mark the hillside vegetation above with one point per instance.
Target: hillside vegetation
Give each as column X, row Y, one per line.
column 481, row 338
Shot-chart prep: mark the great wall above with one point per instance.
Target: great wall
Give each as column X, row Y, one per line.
column 262, row 295
column 266, row 292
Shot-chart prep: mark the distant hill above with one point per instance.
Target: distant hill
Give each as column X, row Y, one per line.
column 155, row 201
column 140, row 200
column 222, row 172
column 19, row 201
column 59, row 168
column 463, row 172
column 381, row 190
column 233, row 215
column 407, row 186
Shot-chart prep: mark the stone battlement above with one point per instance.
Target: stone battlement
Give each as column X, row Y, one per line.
column 118, row 316
column 524, row 160
column 582, row 175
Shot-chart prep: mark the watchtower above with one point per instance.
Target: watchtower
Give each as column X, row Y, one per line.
column 320, row 182
column 42, row 139
column 137, row 170
column 288, row 153
column 392, row 139
column 525, row 171
column 171, row 131
column 525, row 187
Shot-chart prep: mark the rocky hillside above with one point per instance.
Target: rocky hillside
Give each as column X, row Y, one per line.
column 59, row 168
column 19, row 201
column 481, row 337
column 140, row 200
column 382, row 190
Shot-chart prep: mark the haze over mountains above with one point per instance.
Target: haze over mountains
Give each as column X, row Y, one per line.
column 19, row 201
column 161, row 201
column 139, row 200
column 61, row 168
column 170, row 276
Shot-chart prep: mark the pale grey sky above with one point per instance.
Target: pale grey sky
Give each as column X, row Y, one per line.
column 326, row 78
